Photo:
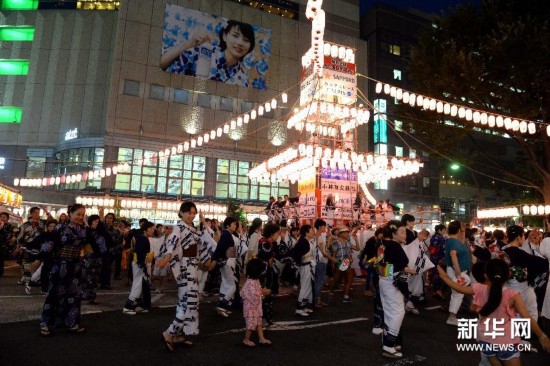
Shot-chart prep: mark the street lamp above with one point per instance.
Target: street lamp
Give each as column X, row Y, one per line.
column 455, row 166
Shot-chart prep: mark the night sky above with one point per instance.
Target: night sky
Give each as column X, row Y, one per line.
column 428, row 6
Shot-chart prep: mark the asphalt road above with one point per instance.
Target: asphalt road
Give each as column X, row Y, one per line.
column 337, row 335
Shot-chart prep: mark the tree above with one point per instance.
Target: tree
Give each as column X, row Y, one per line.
column 495, row 57
column 234, row 209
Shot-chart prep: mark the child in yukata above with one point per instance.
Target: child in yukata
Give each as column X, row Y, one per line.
column 198, row 57
column 252, row 294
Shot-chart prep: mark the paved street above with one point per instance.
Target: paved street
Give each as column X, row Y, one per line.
column 337, row 335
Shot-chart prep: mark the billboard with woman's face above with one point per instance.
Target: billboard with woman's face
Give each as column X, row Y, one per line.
column 215, row 48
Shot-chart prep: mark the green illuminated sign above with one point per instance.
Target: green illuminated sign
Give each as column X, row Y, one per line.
column 14, row 67
column 21, row 33
column 10, row 114
column 18, row 4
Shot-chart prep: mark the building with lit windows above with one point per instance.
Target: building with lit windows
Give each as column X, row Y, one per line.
column 391, row 29
column 89, row 92
column 390, row 33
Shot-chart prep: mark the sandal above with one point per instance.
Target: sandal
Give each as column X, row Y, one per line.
column 265, row 343
column 168, row 344
column 77, row 329
column 249, row 343
column 182, row 341
column 45, row 331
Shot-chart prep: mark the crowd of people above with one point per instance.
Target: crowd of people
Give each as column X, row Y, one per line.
column 505, row 272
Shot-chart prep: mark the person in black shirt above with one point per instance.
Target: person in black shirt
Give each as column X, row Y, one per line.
column 270, row 209
column 140, row 284
column 369, row 252
column 393, row 282
column 6, row 237
column 294, row 202
column 225, row 255
column 408, row 220
column 524, row 267
column 304, row 259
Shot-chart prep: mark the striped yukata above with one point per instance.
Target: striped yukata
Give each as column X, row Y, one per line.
column 185, row 269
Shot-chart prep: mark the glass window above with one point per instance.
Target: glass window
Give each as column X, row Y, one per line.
column 246, row 106
column 226, row 104
column 176, row 162
column 181, row 96
column 161, row 185
column 412, row 153
column 398, row 151
column 398, row 125
column 36, row 167
column 125, row 155
column 395, row 50
column 122, row 182
column 156, row 92
column 204, row 100
column 136, row 182
column 148, row 184
column 174, row 186
column 426, row 182
column 131, row 87
column 397, row 75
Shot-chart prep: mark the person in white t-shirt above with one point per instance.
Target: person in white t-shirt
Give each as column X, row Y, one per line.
column 254, row 235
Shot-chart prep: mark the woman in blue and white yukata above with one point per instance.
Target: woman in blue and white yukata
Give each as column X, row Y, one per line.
column 62, row 305
column 198, row 57
column 182, row 249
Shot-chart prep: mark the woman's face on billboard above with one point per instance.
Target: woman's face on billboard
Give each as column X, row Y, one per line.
column 237, row 44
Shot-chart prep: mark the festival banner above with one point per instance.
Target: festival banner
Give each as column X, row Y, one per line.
column 339, row 79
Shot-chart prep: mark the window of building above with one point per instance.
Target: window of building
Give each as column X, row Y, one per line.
column 74, row 161
column 232, row 179
column 156, row 92
column 204, row 100
column 131, row 87
column 399, row 151
column 398, row 126
column 395, row 50
column 246, row 106
column 226, row 104
column 412, row 153
column 383, row 184
column 426, row 182
column 413, row 183
column 36, row 167
column 181, row 96
column 381, row 149
column 397, row 74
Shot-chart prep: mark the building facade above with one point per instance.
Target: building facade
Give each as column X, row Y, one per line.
column 95, row 95
column 390, row 34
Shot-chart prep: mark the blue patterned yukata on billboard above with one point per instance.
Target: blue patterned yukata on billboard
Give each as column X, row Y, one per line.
column 212, row 47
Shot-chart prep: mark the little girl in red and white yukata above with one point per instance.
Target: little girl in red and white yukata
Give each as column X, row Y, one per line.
column 251, row 294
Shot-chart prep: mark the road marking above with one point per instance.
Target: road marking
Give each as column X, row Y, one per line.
column 297, row 325
column 409, row 360
column 91, row 312
column 156, row 297
column 434, row 307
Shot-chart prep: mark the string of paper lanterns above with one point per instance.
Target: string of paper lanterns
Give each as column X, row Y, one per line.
column 324, row 118
column 479, row 117
column 178, row 149
column 291, row 164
